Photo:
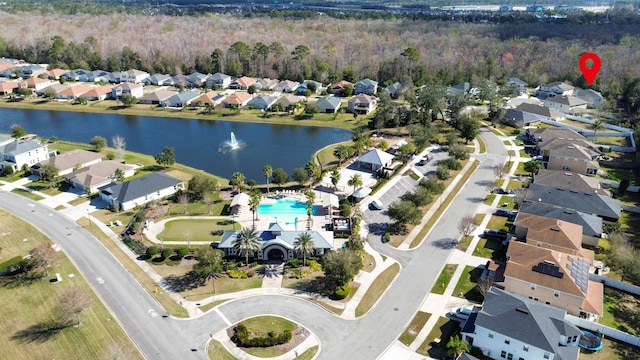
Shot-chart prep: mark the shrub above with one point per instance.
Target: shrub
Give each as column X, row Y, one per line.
column 294, row 263
column 8, row 170
column 345, row 209
column 241, row 338
column 253, row 264
column 342, row 291
column 166, row 253
column 459, row 152
column 251, row 273
column 111, row 156
column 442, row 173
column 152, row 251
column 183, row 251
column 313, row 266
column 387, row 236
column 450, row 163
column 237, row 274
column 10, row 264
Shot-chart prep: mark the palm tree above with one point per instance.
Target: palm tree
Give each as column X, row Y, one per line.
column 254, row 202
column 355, row 181
column 311, row 197
column 304, row 244
column 209, row 264
column 335, row 178
column 456, row 346
column 268, row 171
column 247, row 240
column 342, row 153
column 597, row 125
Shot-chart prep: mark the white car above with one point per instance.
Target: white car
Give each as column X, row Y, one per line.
column 376, row 204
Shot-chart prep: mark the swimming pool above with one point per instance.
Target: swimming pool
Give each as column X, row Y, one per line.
column 285, row 210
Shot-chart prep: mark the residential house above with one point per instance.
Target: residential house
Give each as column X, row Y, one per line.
column 553, row 278
column 554, row 88
column 157, row 97
column 134, row 76
column 8, row 87
column 181, row 99
column 565, row 103
column 31, row 70
column 197, row 79
column 68, row 161
column 91, row 178
column 262, row 102
column 157, row 79
column 54, row 89
column 73, row 92
column 35, row 83
column 242, row 83
column 134, row 89
column 277, row 243
column 74, row 75
column 515, row 82
column 95, row 76
column 239, row 204
column 180, row 81
column 210, row 97
column 116, row 77
column 592, row 97
column 338, row 88
column 329, row 104
column 395, row 90
column 55, row 74
column 604, row 206
column 287, row 100
column 510, row 326
column 362, row 104
column 570, row 181
column 266, row 84
column 527, row 114
column 549, row 233
column 238, row 99
column 591, row 224
column 541, row 135
column 218, row 81
column 286, row 86
column 98, row 93
column 365, row 86
column 16, row 153
column 302, row 88
column 571, row 155
column 460, row 89
column 374, row 159
column 139, row 191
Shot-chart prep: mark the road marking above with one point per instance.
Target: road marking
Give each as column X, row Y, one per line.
column 31, row 205
column 153, row 313
column 100, row 280
column 224, row 318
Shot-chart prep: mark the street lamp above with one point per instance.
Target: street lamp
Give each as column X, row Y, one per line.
column 88, row 217
column 233, row 217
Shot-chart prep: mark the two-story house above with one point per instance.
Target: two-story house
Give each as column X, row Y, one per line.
column 603, row 206
column 516, row 328
column 69, row 161
column 219, row 81
column 592, row 97
column 549, row 233
column 134, row 89
column 242, row 83
column 565, row 103
column 517, row 83
column 18, row 153
column 362, row 104
column 365, row 86
column 134, row 76
column 576, row 156
column 570, row 181
column 554, row 88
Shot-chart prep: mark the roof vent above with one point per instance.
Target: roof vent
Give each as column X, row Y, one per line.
column 555, row 229
column 568, row 173
column 521, row 310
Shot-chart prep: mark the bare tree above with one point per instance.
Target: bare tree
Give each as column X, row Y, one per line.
column 484, row 286
column 120, row 145
column 519, row 195
column 184, row 199
column 499, row 170
column 188, row 236
column 466, row 225
column 73, row 302
column 207, row 199
column 42, row 257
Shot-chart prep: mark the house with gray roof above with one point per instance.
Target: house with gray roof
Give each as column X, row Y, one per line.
column 554, row 88
column 287, row 100
column 137, row 192
column 319, row 88
column 374, row 159
column 510, row 326
column 591, row 224
column 134, row 89
column 156, row 79
column 570, row 181
column 286, row 86
column 197, row 79
column 362, row 104
column 181, row 99
column 277, row 243
column 519, row 118
column 604, row 206
column 394, row 90
column 533, row 113
column 521, row 85
column 592, row 97
column 157, row 97
column 266, row 84
column 16, row 153
column 262, row 102
column 328, row 104
column 365, row 86
column 565, row 103
column 218, row 81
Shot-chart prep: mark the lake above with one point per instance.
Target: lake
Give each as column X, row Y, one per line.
column 196, row 142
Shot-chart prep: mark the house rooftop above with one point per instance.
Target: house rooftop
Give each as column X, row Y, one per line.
column 601, row 205
column 548, row 134
column 591, row 224
column 98, row 173
column 565, row 100
column 279, row 236
column 539, row 110
column 570, row 181
column 376, row 157
column 69, row 159
column 550, row 231
column 136, row 188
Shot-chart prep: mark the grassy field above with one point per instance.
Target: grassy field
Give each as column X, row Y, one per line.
column 377, row 288
column 218, row 352
column 621, row 311
column 261, row 325
column 467, row 285
column 201, row 229
column 443, row 279
column 497, row 222
column 25, row 334
column 27, row 194
column 414, row 328
column 309, row 354
column 443, row 330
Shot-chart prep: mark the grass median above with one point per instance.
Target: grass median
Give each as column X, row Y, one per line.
column 377, row 288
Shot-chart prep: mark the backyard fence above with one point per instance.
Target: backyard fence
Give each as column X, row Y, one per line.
column 604, row 330
column 631, row 289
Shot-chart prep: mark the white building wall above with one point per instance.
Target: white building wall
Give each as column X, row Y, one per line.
column 493, row 346
column 150, row 197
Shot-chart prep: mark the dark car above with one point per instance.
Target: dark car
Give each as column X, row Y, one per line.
column 502, row 191
column 423, row 161
column 494, row 234
column 505, row 212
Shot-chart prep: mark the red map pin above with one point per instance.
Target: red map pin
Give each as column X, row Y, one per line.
column 589, row 73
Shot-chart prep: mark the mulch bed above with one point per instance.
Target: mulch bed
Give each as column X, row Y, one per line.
column 300, row 334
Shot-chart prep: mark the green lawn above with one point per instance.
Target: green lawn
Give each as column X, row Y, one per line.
column 478, row 219
column 483, row 146
column 200, row 229
column 218, row 352
column 489, row 199
column 377, row 288
column 490, row 249
column 520, row 169
column 621, row 311
column 497, row 222
column 309, row 354
column 27, row 194
column 443, row 280
column 24, row 322
column 262, row 325
column 464, row 242
column 414, row 328
column 514, row 184
column 467, row 285
column 508, row 200
column 435, row 345
column 523, row 154
column 617, row 174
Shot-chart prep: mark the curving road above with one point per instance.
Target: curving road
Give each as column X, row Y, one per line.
column 161, row 337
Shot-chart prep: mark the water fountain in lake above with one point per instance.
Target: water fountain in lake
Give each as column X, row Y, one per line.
column 232, row 144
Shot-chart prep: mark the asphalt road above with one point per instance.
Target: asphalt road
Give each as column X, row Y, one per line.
column 167, row 338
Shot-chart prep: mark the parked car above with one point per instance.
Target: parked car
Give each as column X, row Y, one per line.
column 502, row 191
column 494, row 234
column 537, row 157
column 376, row 205
column 506, row 212
column 461, row 313
column 423, row 161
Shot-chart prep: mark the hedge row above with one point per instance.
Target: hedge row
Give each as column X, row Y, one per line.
column 241, row 338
